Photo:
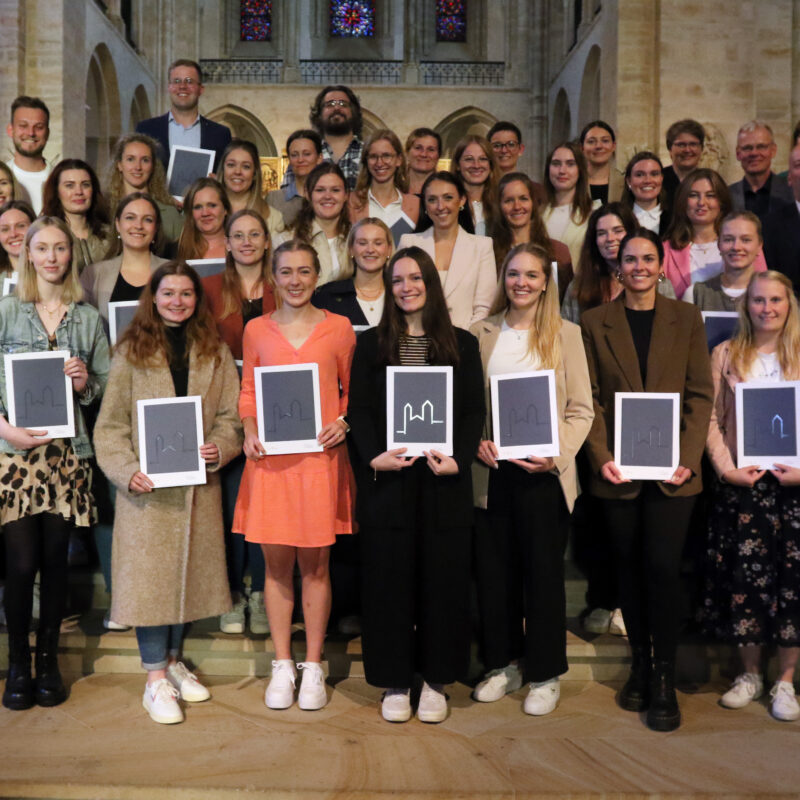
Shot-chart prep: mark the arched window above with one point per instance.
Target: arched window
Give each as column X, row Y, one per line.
column 352, row 19
column 451, row 20
column 255, row 20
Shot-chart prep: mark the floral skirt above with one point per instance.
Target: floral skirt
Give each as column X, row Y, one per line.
column 752, row 586
column 50, row 478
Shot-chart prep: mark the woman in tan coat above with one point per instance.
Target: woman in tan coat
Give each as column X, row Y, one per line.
column 168, row 560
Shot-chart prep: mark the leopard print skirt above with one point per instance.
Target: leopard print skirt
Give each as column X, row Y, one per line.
column 50, row 478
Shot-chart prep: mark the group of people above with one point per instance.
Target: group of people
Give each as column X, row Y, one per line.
column 370, row 257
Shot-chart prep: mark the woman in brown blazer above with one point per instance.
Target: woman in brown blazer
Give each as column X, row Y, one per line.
column 643, row 341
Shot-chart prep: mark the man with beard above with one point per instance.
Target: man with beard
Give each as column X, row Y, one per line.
column 29, row 130
column 336, row 115
column 182, row 124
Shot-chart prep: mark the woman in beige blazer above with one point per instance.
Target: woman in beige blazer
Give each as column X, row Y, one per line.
column 521, row 537
column 465, row 262
column 643, row 341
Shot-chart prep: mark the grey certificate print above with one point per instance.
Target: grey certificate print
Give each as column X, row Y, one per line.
column 186, row 165
column 720, row 326
column 120, row 314
column 205, row 267
column 419, row 409
column 646, row 438
column 170, row 435
column 288, row 407
column 766, row 423
column 39, row 393
column 524, row 420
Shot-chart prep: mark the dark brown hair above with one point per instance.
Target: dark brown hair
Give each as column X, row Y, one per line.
column 96, row 215
column 582, row 201
column 305, row 218
column 680, row 232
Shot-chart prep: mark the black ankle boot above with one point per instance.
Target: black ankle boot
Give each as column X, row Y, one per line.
column 18, row 694
column 50, row 689
column 663, row 713
column 635, row 694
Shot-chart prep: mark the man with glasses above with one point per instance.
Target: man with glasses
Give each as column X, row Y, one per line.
column 182, row 124
column 760, row 191
column 506, row 141
column 685, row 140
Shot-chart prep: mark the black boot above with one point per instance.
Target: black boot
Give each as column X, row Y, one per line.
column 663, row 713
column 635, row 694
column 50, row 689
column 18, row 694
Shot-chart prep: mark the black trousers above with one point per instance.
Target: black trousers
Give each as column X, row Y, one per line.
column 519, row 569
column 648, row 534
column 415, row 594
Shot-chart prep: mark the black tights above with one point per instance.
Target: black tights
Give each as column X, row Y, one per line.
column 36, row 544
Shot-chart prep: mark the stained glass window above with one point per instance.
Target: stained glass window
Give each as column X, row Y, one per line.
column 255, row 20
column 451, row 20
column 353, row 18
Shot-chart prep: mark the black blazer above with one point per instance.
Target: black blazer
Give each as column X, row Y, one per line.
column 381, row 500
column 339, row 297
column 213, row 136
column 782, row 242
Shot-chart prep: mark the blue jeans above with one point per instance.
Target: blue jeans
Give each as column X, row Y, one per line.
column 157, row 643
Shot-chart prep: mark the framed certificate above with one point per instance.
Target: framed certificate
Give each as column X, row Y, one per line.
column 170, row 435
column 205, row 267
column 186, row 165
column 646, row 434
column 10, row 283
column 120, row 314
column 766, row 423
column 720, row 326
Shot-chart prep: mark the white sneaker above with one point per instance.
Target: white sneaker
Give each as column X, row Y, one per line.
column 396, row 705
column 312, row 695
column 432, row 704
column 784, row 703
column 616, row 625
column 259, row 622
column 191, row 690
column 233, row 621
column 161, row 702
column 542, row 698
column 498, row 683
column 746, row 687
column 110, row 625
column 597, row 621
column 280, row 690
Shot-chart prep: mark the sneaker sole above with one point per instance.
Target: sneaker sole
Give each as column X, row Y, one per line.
column 396, row 717
column 278, row 706
column 161, row 720
column 431, row 719
column 202, row 699
column 259, row 630
column 235, row 627
column 316, row 705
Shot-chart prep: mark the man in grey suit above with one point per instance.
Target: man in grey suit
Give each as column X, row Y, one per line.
column 761, row 190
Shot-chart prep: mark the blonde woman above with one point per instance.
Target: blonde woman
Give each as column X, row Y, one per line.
column 752, row 584
column 522, row 532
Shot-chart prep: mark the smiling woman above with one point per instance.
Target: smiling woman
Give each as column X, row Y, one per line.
column 15, row 219
column 206, row 207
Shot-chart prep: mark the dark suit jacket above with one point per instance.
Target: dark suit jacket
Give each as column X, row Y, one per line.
column 677, row 361
column 339, row 297
column 213, row 136
column 780, row 194
column 382, row 500
column 782, row 242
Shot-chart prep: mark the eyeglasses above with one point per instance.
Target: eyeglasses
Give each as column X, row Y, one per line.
column 184, row 82
column 498, row 146
column 757, row 148
column 336, row 104
column 373, row 158
column 253, row 236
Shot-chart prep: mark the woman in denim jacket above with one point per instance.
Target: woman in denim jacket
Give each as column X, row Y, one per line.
column 45, row 484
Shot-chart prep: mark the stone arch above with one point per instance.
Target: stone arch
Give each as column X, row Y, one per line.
column 561, row 124
column 103, row 113
column 464, row 122
column 589, row 105
column 245, row 125
column 140, row 107
column 371, row 123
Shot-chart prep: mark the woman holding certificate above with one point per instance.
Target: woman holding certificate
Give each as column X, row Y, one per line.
column 46, row 481
column 294, row 504
column 415, row 514
column 521, row 537
column 168, row 558
column 645, row 342
column 752, row 584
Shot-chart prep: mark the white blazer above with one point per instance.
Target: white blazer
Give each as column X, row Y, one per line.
column 471, row 280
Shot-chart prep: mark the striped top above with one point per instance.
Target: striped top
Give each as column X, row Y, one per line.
column 414, row 351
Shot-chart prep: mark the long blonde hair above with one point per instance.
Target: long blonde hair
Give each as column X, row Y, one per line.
column 27, row 288
column 350, row 269
column 743, row 345
column 544, row 336
column 157, row 185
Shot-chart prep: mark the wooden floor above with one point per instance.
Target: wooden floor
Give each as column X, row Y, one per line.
column 102, row 744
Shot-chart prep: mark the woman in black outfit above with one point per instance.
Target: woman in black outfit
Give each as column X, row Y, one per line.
column 414, row 514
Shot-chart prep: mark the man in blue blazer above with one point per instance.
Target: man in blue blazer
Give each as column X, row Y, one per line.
column 182, row 124
column 782, row 229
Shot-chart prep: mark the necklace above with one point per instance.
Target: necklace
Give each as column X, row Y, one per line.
column 371, row 299
column 49, row 311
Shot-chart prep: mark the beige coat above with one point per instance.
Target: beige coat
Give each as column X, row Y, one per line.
column 721, row 439
column 168, row 557
column 573, row 398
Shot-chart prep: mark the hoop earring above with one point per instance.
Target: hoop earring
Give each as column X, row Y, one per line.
column 618, row 275
column 662, row 276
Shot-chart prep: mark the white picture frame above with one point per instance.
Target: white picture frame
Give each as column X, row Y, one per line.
column 119, row 312
column 10, row 283
column 24, row 369
column 292, row 426
column 508, row 391
column 206, row 267
column 767, row 413
column 717, row 324
column 430, row 391
column 186, row 165
column 634, row 454
column 191, row 471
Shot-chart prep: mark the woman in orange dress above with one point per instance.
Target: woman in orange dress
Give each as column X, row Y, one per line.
column 294, row 505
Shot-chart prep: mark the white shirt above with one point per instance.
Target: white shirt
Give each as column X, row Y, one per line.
column 336, row 267
column 480, row 221
column 650, row 219
column 765, row 367
column 390, row 213
column 32, row 183
column 558, row 220
column 373, row 309
column 510, row 353
column 705, row 261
